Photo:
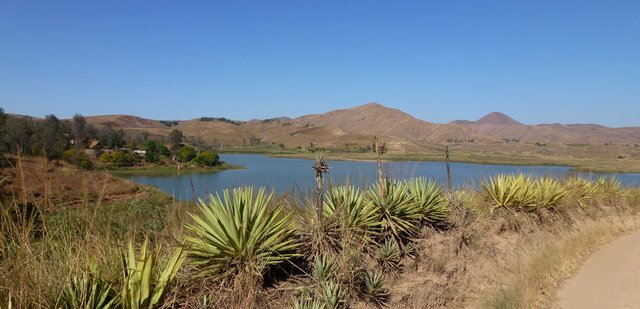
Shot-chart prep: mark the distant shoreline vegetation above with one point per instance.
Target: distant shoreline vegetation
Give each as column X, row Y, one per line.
column 169, row 169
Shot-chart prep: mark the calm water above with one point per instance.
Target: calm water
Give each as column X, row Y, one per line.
column 285, row 175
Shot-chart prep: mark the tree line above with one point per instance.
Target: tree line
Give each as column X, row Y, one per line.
column 58, row 139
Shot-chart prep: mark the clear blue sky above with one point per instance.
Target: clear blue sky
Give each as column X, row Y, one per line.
column 538, row 61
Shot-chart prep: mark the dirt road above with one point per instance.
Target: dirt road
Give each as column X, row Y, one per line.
column 609, row 279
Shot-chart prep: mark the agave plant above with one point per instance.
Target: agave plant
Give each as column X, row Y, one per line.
column 371, row 287
column 389, row 256
column 89, row 291
column 549, row 192
column 509, row 191
column 324, row 268
column 333, row 295
column 349, row 205
column 318, row 236
column 141, row 288
column 241, row 233
column 302, row 302
column 430, row 199
column 398, row 214
column 608, row 187
column 582, row 190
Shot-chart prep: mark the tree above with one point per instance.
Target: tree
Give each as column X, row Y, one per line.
column 164, row 151
column 53, row 137
column 175, row 138
column 78, row 127
column 19, row 134
column 186, row 154
column 152, row 154
column 3, row 119
column 110, row 138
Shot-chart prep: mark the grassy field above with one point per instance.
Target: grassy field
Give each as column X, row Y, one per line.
column 93, row 237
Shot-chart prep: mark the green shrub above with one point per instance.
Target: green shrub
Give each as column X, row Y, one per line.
column 119, row 158
column 186, row 154
column 206, row 158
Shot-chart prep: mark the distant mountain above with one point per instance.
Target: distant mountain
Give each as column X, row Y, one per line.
column 496, row 118
column 372, row 119
column 355, row 127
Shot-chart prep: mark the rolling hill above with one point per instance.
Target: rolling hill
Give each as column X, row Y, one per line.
column 356, row 127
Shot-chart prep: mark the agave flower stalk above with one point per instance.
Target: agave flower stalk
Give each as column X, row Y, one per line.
column 380, row 150
column 320, row 167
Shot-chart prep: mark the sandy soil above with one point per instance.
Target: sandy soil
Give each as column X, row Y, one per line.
column 609, row 279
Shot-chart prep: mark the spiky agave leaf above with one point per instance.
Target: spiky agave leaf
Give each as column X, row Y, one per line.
column 582, row 190
column 302, row 302
column 88, row 291
column 509, row 191
column 549, row 192
column 371, row 287
column 333, row 295
column 240, row 233
column 389, row 256
column 324, row 267
column 350, row 206
column 398, row 214
column 608, row 187
column 317, row 236
column 141, row 289
column 430, row 199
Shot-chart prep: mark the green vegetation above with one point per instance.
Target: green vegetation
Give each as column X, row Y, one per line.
column 231, row 250
column 239, row 235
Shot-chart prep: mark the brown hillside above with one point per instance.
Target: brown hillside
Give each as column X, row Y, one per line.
column 123, row 121
column 357, row 126
column 496, row 118
column 373, row 119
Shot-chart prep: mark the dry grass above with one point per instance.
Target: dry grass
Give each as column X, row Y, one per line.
column 531, row 277
column 507, row 259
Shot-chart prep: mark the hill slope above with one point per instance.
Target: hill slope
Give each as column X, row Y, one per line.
column 356, row 127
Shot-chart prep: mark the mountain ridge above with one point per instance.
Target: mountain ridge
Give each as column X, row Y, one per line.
column 357, row 125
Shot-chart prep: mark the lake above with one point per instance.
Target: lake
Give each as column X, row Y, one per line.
column 285, row 175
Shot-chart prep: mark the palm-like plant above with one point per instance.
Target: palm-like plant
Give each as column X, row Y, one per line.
column 389, row 256
column 608, row 186
column 549, row 192
column 241, row 233
column 141, row 288
column 371, row 287
column 348, row 204
column 324, row 268
column 302, row 302
column 333, row 295
column 581, row 190
column 398, row 214
column 510, row 191
column 430, row 199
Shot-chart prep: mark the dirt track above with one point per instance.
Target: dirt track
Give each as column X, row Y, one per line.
column 609, row 279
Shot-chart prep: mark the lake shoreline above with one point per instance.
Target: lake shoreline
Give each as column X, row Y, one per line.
column 472, row 158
